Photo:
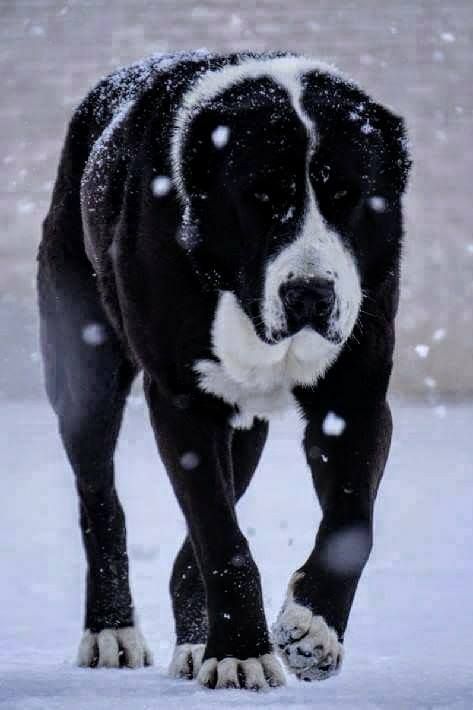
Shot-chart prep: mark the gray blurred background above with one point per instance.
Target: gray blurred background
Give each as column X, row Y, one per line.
column 415, row 56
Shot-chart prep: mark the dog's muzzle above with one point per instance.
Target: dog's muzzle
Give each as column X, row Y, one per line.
column 310, row 302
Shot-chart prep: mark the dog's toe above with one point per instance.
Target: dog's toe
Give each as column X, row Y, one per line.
column 255, row 674
column 308, row 646
column 114, row 648
column 186, row 660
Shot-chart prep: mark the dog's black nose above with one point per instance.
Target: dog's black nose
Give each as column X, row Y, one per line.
column 307, row 301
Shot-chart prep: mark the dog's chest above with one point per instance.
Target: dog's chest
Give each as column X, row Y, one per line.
column 257, row 377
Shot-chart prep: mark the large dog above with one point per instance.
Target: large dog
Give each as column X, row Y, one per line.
column 231, row 226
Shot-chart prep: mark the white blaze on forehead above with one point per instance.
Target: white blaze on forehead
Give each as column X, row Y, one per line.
column 286, row 71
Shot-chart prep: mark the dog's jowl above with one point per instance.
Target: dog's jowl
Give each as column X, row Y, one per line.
column 231, row 226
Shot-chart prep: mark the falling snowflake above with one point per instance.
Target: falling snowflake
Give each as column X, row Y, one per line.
column 161, row 185
column 430, row 382
column 238, row 561
column 94, row 334
column 447, row 37
column 220, row 136
column 346, row 551
column 377, row 203
column 189, row 460
column 25, row 207
column 422, row 351
column 439, row 335
column 333, row 425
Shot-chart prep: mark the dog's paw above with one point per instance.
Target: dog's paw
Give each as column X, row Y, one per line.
column 114, row 648
column 186, row 660
column 308, row 646
column 253, row 673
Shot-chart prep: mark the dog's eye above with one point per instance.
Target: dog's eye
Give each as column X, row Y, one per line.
column 348, row 197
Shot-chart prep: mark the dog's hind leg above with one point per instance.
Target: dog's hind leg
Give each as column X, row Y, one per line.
column 187, row 588
column 88, row 377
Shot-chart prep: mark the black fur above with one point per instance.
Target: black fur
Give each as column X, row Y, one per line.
column 129, row 262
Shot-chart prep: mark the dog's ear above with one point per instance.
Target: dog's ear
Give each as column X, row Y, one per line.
column 397, row 160
column 204, row 151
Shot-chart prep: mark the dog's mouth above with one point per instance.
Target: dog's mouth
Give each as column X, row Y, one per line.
column 329, row 334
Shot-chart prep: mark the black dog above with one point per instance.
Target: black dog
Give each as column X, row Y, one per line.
column 230, row 225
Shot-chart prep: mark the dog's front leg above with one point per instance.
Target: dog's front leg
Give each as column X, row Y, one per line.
column 194, row 443
column 347, row 456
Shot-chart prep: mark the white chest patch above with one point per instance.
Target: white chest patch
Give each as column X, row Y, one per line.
column 255, row 376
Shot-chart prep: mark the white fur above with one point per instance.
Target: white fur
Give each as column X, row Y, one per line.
column 252, row 673
column 317, row 252
column 186, row 660
column 103, row 648
column 254, row 375
column 308, row 646
column 285, row 71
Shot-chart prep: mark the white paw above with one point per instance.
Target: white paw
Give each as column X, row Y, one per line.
column 308, row 646
column 114, row 648
column 253, row 673
column 186, row 660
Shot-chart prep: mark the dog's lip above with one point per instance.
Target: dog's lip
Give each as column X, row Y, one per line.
column 333, row 337
column 276, row 337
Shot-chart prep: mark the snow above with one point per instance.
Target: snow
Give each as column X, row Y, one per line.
column 94, row 334
column 189, row 460
column 441, row 411
column 346, row 551
column 377, row 203
column 430, row 382
column 408, row 645
column 37, row 31
column 439, row 335
column 220, row 136
column 161, row 185
column 25, row 207
column 333, row 425
column 422, row 351
column 448, row 37
column 127, row 82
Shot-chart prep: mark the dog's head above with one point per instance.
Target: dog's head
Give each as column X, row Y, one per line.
column 291, row 179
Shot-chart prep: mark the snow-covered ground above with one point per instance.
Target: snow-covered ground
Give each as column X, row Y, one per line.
column 409, row 643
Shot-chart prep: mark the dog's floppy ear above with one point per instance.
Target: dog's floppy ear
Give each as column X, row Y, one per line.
column 204, row 152
column 397, row 161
